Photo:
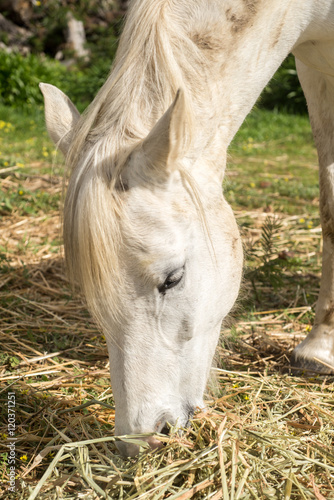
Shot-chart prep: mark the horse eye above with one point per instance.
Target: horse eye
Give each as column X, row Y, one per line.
column 172, row 280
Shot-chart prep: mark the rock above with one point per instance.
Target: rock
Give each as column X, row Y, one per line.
column 76, row 38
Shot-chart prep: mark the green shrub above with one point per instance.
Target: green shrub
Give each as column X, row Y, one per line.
column 21, row 75
column 283, row 92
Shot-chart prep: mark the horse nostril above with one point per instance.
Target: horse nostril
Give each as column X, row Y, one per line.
column 165, row 430
column 164, row 424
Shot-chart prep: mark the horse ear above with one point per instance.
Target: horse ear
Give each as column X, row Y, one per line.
column 163, row 145
column 60, row 116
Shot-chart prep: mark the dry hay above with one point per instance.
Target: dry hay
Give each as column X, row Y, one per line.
column 266, row 434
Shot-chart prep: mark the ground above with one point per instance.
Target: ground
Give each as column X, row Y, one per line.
column 266, row 431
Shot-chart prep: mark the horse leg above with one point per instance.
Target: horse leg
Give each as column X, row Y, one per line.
column 316, row 352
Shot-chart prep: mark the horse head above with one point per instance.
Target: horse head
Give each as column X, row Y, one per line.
column 156, row 250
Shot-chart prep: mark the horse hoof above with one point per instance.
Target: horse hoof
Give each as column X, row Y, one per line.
column 315, row 354
column 305, row 366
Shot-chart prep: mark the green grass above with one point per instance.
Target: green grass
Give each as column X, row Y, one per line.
column 24, row 142
column 30, row 175
column 273, row 165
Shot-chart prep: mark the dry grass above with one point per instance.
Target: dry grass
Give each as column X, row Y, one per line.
column 266, row 434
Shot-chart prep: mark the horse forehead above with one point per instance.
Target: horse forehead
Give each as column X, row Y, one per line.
column 160, row 209
column 158, row 225
column 156, row 232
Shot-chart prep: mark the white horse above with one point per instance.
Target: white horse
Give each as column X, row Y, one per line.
column 148, row 234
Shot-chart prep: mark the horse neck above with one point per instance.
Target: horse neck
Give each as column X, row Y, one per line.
column 252, row 38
